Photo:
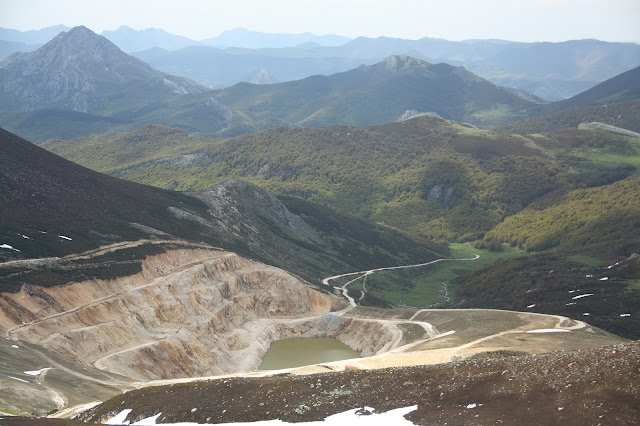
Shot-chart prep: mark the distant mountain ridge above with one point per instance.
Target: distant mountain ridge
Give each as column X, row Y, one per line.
column 241, row 37
column 40, row 36
column 79, row 71
column 80, row 83
column 552, row 71
column 131, row 40
column 379, row 93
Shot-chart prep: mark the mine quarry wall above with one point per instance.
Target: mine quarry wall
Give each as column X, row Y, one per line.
column 189, row 313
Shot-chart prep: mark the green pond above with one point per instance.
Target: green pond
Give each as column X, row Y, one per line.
column 300, row 351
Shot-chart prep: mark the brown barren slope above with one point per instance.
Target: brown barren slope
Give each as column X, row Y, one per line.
column 589, row 386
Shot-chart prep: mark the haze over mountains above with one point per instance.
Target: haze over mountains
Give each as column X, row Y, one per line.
column 552, row 71
column 48, row 95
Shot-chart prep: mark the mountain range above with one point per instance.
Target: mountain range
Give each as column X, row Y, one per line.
column 236, row 217
column 80, row 82
column 552, row 71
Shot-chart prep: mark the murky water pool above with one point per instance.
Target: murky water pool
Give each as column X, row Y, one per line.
column 301, row 351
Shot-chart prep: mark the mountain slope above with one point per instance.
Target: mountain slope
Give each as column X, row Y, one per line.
column 425, row 175
column 623, row 87
column 376, row 94
column 564, row 387
column 597, row 219
column 80, row 83
column 625, row 115
column 81, row 71
column 52, row 207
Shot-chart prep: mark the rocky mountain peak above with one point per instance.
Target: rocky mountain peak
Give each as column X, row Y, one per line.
column 77, row 70
column 398, row 63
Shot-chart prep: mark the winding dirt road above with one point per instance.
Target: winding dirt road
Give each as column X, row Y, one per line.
column 364, row 274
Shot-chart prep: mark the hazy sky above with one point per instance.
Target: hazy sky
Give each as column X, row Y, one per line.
column 519, row 20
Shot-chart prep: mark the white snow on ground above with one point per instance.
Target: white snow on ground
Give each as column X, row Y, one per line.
column 15, row 346
column 615, row 264
column 15, row 378
column 150, row 420
column 549, row 330
column 625, row 315
column 36, row 372
column 118, row 419
column 471, row 406
column 572, row 291
column 445, row 334
column 572, row 303
column 603, row 279
column 582, row 295
column 25, row 237
column 586, row 314
column 8, row 247
column 531, row 306
column 65, row 238
column 392, row 417
column 589, row 276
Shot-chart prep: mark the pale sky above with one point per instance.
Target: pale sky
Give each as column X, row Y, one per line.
column 517, row 20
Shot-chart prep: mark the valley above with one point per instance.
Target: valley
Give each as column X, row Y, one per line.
column 470, row 249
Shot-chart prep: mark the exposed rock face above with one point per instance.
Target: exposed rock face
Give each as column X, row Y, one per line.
column 78, row 70
column 608, row 127
column 412, row 113
column 444, row 194
column 260, row 76
column 190, row 312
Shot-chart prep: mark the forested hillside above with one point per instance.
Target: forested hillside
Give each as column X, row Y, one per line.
column 426, row 175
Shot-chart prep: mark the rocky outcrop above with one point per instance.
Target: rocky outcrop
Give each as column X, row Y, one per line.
column 609, row 128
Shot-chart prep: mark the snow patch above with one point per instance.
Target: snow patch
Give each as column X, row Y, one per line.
column 36, row 372
column 15, row 346
column 447, row 333
column 603, row 279
column 572, row 303
column 15, row 378
column 25, row 237
column 151, row 420
column 470, row 406
column 586, row 314
column 8, row 247
column 351, row 417
column 589, row 276
column 531, row 306
column 625, row 315
column 65, row 238
column 582, row 295
column 118, row 419
column 549, row 330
